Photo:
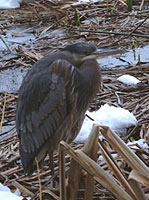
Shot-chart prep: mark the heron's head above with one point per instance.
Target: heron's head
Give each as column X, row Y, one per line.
column 79, row 52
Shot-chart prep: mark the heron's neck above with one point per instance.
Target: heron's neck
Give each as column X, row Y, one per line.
column 91, row 80
column 91, row 73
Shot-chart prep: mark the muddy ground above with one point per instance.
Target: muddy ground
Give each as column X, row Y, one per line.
column 38, row 28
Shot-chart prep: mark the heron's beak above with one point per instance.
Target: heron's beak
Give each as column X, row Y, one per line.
column 100, row 53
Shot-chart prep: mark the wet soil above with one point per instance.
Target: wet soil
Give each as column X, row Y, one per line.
column 38, row 28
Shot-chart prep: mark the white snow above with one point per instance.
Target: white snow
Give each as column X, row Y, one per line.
column 128, row 79
column 138, row 143
column 7, row 4
column 4, row 188
column 118, row 119
column 101, row 158
column 6, row 194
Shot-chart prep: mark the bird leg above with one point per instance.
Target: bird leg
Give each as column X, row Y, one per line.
column 52, row 170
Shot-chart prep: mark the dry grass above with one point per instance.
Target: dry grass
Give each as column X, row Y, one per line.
column 97, row 21
column 122, row 188
column 135, row 100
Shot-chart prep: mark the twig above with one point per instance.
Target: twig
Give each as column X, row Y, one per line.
column 112, row 33
column 138, row 26
column 141, row 5
column 3, row 111
column 5, row 44
column 40, row 190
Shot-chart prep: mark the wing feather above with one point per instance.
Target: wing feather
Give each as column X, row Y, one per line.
column 45, row 100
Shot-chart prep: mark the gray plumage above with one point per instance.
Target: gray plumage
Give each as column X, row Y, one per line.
column 53, row 99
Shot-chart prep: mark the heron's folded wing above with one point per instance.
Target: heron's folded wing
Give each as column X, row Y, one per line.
column 45, row 99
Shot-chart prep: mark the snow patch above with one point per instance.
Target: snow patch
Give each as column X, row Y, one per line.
column 118, row 119
column 141, row 143
column 128, row 79
column 5, row 193
column 10, row 4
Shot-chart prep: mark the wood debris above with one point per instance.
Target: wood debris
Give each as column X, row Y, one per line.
column 54, row 24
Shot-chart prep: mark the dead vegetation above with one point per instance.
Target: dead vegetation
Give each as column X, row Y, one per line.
column 108, row 26
column 88, row 154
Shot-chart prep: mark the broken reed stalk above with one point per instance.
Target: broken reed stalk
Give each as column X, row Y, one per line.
column 137, row 189
column 74, row 179
column 62, row 178
column 135, row 175
column 80, row 158
column 140, row 172
column 3, row 110
column 37, row 165
column 94, row 170
column 129, row 156
column 91, row 148
column 116, row 170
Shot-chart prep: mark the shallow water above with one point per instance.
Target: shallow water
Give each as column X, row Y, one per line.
column 10, row 79
column 131, row 57
column 17, row 35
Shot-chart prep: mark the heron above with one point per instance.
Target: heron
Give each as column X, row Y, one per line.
column 53, row 98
